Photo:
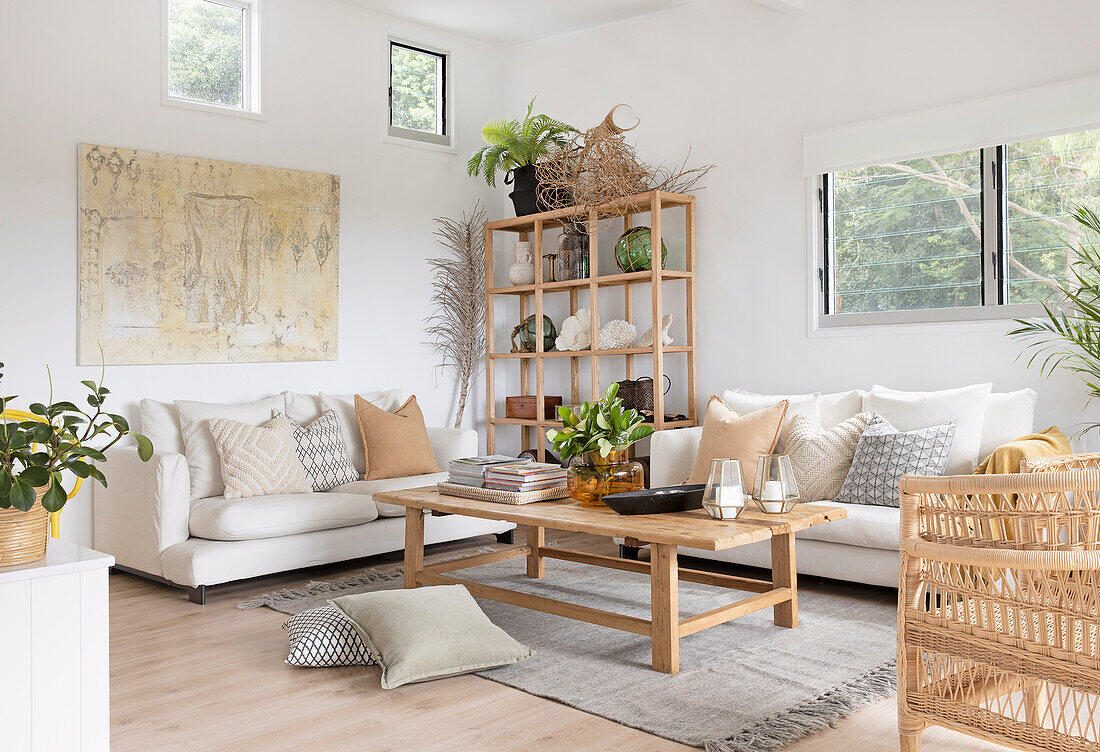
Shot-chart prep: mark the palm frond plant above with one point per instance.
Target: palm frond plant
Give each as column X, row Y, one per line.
column 1067, row 336
column 513, row 143
column 457, row 324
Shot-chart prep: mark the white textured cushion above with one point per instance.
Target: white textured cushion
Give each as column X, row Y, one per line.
column 1008, row 416
column 743, row 402
column 202, row 457
column 344, row 405
column 259, row 460
column 837, row 407
column 908, row 411
column 272, row 516
column 371, row 487
column 820, row 457
column 160, row 422
column 866, row 526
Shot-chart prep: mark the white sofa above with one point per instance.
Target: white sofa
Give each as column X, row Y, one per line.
column 861, row 548
column 148, row 521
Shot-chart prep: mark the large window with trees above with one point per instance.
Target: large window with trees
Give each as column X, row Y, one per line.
column 212, row 54
column 954, row 236
column 418, row 94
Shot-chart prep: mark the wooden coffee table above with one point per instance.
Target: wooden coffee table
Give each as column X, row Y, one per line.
column 664, row 532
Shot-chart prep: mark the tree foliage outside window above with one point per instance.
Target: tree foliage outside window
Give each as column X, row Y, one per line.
column 416, row 89
column 908, row 235
column 206, row 52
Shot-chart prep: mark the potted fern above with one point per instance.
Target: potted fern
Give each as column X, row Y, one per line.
column 35, row 448
column 1067, row 335
column 514, row 147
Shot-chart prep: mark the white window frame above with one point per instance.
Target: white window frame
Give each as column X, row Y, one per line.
column 253, row 39
column 992, row 309
column 392, row 134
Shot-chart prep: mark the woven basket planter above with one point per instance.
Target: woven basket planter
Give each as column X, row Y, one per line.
column 23, row 535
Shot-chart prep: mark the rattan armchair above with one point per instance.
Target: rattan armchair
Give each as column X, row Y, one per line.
column 998, row 622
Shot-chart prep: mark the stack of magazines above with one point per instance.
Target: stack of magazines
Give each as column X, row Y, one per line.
column 524, row 476
column 470, row 471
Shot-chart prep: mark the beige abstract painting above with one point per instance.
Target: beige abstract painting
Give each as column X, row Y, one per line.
column 191, row 260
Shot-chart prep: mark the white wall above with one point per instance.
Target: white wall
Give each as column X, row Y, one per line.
column 740, row 84
column 78, row 71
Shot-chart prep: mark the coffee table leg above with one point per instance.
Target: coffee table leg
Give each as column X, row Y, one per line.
column 785, row 574
column 536, row 539
column 414, row 545
column 665, row 606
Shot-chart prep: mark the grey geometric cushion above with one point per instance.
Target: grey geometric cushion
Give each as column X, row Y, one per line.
column 323, row 637
column 883, row 455
column 324, row 454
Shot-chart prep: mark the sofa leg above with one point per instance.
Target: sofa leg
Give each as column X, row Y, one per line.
column 507, row 538
column 629, row 552
column 197, row 595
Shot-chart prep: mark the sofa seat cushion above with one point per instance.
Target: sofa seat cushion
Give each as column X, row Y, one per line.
column 866, row 526
column 218, row 518
column 371, row 487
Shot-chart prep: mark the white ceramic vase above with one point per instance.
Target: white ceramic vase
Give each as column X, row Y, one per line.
column 522, row 272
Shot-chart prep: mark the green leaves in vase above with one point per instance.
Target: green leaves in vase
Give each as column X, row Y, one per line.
column 604, row 426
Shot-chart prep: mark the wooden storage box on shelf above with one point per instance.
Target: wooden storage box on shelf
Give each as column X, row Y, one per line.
column 526, row 406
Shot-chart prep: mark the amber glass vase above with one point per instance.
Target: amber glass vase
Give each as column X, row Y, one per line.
column 591, row 477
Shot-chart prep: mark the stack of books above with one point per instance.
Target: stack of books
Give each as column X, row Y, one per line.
column 524, row 476
column 470, row 471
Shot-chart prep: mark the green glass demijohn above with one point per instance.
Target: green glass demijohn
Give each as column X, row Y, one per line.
column 526, row 333
column 634, row 250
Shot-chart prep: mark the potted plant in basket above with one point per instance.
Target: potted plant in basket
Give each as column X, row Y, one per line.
column 34, row 453
column 514, row 147
column 594, row 440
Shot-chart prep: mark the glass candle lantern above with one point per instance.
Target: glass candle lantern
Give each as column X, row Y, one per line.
column 724, row 495
column 775, row 490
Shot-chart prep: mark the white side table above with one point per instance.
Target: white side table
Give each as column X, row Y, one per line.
column 54, row 670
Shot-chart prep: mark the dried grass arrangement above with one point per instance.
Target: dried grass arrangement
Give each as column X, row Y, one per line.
column 457, row 325
column 600, row 166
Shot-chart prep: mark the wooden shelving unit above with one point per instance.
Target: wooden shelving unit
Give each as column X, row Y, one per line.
column 531, row 227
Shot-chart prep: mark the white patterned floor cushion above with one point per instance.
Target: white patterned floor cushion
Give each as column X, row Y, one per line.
column 324, row 637
column 323, row 452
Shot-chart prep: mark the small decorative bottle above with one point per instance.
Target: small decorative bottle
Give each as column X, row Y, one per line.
column 522, row 272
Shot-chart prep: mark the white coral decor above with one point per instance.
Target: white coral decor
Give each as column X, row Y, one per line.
column 666, row 338
column 576, row 331
column 617, row 334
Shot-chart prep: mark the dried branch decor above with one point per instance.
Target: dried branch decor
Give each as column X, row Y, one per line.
column 457, row 325
column 600, row 166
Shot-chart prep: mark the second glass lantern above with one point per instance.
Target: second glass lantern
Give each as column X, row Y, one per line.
column 724, row 495
column 775, row 490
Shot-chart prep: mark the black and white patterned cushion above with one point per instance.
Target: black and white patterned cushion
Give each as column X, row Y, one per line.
column 323, row 637
column 883, row 455
column 322, row 450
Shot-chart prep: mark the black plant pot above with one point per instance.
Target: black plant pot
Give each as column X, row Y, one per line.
column 525, row 193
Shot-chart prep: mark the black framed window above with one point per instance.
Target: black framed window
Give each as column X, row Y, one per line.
column 954, row 236
column 418, row 94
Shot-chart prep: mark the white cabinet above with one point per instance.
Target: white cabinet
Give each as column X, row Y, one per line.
column 54, row 673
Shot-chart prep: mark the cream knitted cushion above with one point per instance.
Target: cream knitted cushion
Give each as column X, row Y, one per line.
column 259, row 460
column 820, row 457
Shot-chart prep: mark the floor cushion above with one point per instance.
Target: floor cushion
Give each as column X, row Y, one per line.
column 272, row 516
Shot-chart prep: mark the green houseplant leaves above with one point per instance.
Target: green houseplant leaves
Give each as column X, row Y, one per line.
column 35, row 453
column 514, row 143
column 604, row 426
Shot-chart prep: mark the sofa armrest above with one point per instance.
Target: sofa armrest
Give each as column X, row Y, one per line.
column 452, row 443
column 671, row 455
column 144, row 509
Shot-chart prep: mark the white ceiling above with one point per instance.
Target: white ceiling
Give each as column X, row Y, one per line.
column 512, row 21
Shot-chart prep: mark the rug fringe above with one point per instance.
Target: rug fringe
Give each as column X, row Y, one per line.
column 320, row 587
column 813, row 716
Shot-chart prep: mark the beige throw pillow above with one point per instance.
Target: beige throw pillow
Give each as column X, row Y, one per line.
column 738, row 437
column 821, row 457
column 258, row 460
column 395, row 445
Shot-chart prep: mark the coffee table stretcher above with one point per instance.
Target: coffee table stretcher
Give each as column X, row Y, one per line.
column 664, row 628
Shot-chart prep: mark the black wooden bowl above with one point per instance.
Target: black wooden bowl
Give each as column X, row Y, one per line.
column 657, row 500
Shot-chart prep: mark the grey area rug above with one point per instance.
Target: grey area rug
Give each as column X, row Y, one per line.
column 743, row 686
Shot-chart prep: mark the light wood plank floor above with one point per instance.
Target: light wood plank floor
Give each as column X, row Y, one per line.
column 185, row 677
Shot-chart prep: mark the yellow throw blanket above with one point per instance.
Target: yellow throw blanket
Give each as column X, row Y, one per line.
column 1006, row 458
